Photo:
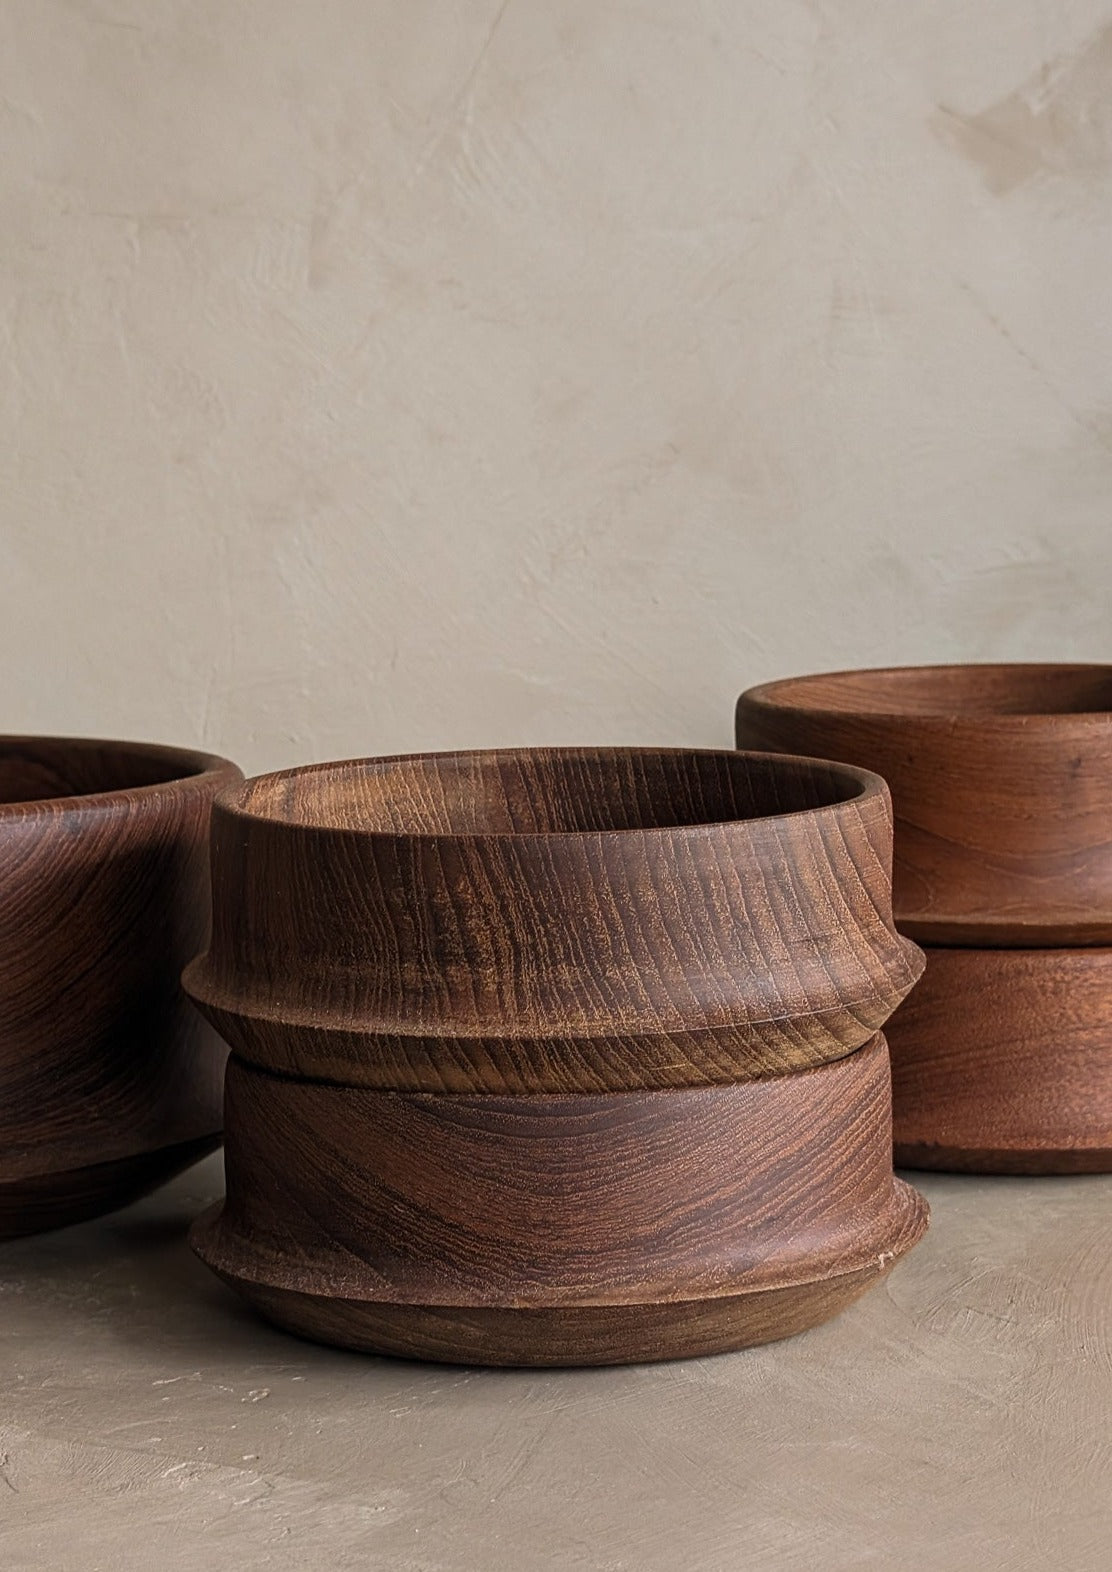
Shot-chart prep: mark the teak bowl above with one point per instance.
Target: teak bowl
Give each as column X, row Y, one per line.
column 547, row 921
column 109, row 1081
column 1002, row 1063
column 1001, row 781
column 543, row 1230
column 511, row 1039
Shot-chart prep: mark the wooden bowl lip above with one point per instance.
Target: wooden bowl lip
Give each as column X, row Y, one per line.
column 868, row 790
column 194, row 770
column 779, row 696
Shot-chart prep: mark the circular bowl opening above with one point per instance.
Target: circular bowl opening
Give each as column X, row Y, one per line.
column 547, row 791
column 948, row 691
column 49, row 769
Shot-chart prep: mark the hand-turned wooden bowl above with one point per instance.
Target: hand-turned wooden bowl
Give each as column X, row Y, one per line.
column 540, row 1230
column 511, row 1038
column 1001, row 780
column 1002, row 1062
column 564, row 920
column 109, row 1080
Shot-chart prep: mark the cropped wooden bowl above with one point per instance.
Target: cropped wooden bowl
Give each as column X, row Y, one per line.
column 1001, row 779
column 548, row 921
column 542, row 1230
column 109, row 1081
column 1002, row 1063
column 502, row 1025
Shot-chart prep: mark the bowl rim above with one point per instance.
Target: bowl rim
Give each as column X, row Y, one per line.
column 195, row 769
column 769, row 696
column 869, row 788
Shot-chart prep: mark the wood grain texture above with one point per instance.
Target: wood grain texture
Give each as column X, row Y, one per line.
column 109, row 1081
column 551, row 921
column 1001, row 780
column 583, row 1334
column 1002, row 1062
column 625, row 1226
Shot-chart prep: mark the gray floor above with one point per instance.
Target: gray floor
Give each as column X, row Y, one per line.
column 960, row 1417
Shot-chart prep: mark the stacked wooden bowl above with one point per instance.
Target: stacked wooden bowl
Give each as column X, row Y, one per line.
column 556, row 1056
column 109, row 1083
column 1001, row 779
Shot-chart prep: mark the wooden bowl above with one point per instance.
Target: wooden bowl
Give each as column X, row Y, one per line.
column 109, row 1081
column 502, row 1027
column 552, row 921
column 553, row 1230
column 1001, row 778
column 1002, row 1063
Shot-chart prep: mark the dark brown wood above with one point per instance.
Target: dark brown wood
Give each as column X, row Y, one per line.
column 551, row 921
column 109, row 1081
column 1001, row 778
column 538, row 1230
column 55, row 1200
column 584, row 1334
column 1002, row 1063
column 503, row 1026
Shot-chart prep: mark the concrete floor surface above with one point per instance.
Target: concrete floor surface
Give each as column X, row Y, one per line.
column 958, row 1419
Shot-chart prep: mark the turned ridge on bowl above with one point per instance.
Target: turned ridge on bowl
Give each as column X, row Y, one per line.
column 110, row 1082
column 1001, row 780
column 555, row 1056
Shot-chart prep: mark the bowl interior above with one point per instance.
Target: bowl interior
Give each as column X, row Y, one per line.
column 547, row 791
column 950, row 690
column 45, row 769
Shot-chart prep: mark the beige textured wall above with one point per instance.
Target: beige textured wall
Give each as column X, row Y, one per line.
column 383, row 374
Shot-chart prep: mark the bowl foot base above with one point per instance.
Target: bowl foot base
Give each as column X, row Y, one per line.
column 599, row 1334
column 45, row 1201
column 1015, row 1160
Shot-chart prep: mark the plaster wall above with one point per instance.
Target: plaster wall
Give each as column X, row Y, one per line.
column 389, row 374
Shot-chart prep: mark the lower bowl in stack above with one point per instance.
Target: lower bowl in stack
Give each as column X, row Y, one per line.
column 1024, row 1084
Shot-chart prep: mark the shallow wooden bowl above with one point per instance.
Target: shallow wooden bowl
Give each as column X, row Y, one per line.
column 551, row 1230
column 109, row 1081
column 502, row 1027
column 1001, row 778
column 1002, row 1063
column 552, row 920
